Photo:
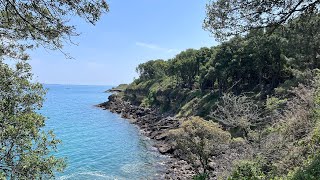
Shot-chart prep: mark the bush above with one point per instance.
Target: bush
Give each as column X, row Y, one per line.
column 199, row 140
column 200, row 177
column 311, row 171
column 247, row 170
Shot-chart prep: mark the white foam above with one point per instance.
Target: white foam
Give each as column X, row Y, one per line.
column 90, row 175
column 133, row 167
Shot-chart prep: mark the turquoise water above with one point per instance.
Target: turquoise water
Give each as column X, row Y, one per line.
column 97, row 143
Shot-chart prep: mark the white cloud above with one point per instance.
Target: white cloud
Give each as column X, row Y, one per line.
column 156, row 47
column 149, row 46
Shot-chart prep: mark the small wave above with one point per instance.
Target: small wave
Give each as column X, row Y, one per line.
column 90, row 175
column 132, row 168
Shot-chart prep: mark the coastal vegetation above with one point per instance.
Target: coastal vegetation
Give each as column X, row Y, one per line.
column 25, row 147
column 200, row 140
column 258, row 90
column 247, row 108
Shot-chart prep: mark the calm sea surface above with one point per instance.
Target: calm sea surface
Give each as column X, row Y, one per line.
column 96, row 143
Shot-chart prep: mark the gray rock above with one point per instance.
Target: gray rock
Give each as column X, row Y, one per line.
column 164, row 149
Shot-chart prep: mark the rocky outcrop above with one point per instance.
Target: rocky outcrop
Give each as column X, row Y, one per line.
column 155, row 126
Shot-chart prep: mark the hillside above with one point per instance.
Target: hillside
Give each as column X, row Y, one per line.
column 261, row 89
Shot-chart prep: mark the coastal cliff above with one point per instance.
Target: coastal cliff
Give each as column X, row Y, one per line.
column 245, row 109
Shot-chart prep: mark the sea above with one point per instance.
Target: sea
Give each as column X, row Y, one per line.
column 96, row 143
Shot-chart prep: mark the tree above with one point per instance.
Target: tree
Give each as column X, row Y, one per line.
column 185, row 67
column 226, row 18
column 227, row 64
column 44, row 22
column 25, row 149
column 303, row 46
column 152, row 69
column 238, row 112
column 199, row 140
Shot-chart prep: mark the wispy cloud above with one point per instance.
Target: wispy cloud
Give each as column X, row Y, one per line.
column 156, row 47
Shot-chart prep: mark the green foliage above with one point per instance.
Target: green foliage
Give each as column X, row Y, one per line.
column 25, row 150
column 226, row 18
column 200, row 177
column 247, row 170
column 152, row 69
column 44, row 22
column 119, row 88
column 198, row 140
column 185, row 66
column 259, row 63
column 311, row 167
column 303, row 37
column 310, row 171
column 273, row 103
column 277, row 70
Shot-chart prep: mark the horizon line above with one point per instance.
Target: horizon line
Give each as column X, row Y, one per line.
column 76, row 84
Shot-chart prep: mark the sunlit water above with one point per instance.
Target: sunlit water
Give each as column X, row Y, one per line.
column 97, row 143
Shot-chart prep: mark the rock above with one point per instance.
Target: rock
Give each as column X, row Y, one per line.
column 164, row 149
column 140, row 112
column 155, row 126
column 154, row 134
column 188, row 167
column 161, row 136
column 212, row 165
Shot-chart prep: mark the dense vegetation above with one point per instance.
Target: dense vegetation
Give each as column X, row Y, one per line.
column 259, row 89
column 26, row 150
column 262, row 87
column 258, row 63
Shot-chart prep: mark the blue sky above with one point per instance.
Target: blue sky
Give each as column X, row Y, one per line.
column 132, row 32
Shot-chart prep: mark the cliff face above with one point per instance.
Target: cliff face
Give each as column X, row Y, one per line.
column 155, row 126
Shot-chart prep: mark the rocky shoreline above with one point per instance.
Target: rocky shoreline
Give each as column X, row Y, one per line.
column 155, row 126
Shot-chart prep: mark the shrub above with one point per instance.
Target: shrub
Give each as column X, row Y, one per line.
column 200, row 177
column 247, row 170
column 310, row 171
column 238, row 113
column 199, row 140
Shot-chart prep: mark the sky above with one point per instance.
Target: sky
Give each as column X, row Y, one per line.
column 132, row 32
